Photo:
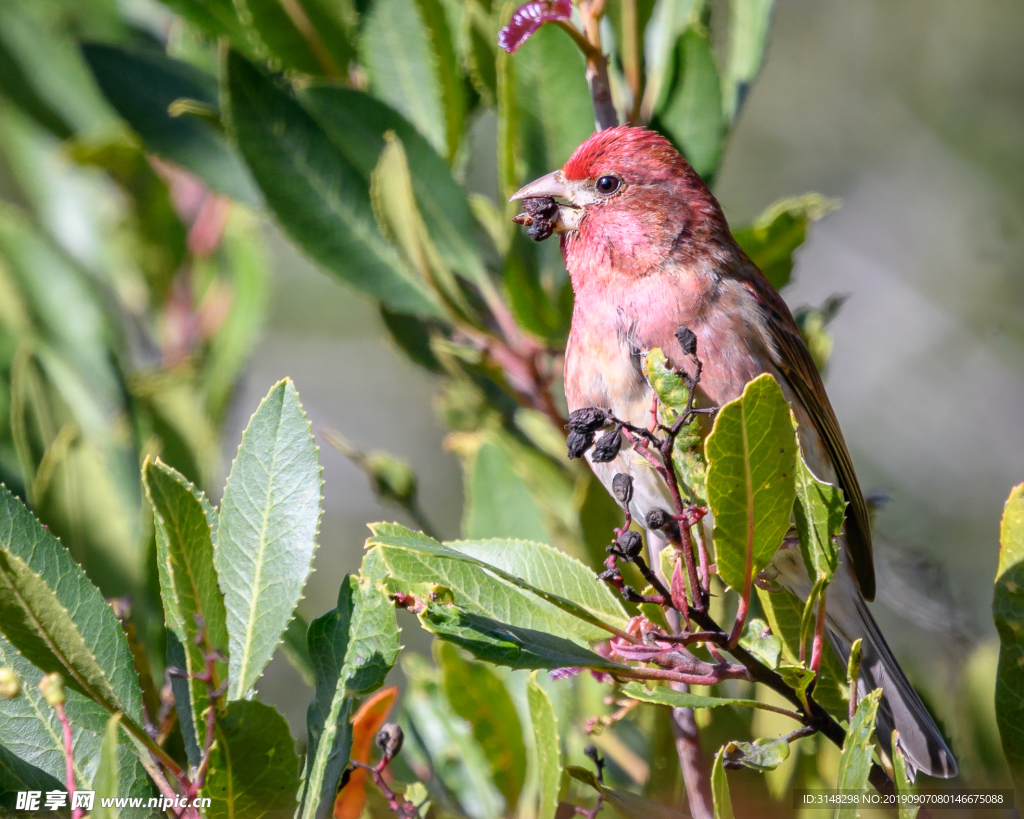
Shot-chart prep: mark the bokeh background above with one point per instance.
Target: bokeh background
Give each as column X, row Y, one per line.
column 911, row 114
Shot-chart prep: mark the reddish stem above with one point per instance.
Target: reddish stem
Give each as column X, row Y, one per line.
column 819, row 634
column 69, row 757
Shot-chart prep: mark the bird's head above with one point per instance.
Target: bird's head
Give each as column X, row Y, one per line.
column 629, row 202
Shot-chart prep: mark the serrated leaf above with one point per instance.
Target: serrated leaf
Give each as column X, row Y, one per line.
column 905, row 810
column 317, row 194
column 352, row 647
column 477, row 695
column 681, row 699
column 449, row 75
column 1008, row 612
column 142, row 84
column 266, row 536
column 691, row 114
column 395, row 47
column 414, row 558
column 181, row 690
column 749, row 22
column 53, row 614
column 547, row 747
column 106, row 781
column 188, row 578
column 776, row 234
column 763, row 754
column 510, row 645
column 254, row 770
column 751, row 479
column 627, row 805
column 357, row 123
column 721, row 799
column 855, row 762
column 32, row 743
column 673, row 395
column 819, row 512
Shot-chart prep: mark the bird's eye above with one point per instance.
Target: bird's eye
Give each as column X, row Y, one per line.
column 607, row 185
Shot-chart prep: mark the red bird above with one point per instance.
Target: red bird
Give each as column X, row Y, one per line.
column 648, row 249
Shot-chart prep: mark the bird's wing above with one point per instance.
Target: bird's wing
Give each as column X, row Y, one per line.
column 796, row 365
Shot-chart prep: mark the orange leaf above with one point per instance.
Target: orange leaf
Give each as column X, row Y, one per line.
column 366, row 722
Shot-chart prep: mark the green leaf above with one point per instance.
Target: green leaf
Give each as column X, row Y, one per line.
column 720, row 788
column 477, row 695
column 776, row 234
column 440, row 740
column 357, row 123
column 399, row 218
column 141, row 84
column 498, row 501
column 449, row 75
column 188, row 578
column 673, row 396
column 547, row 748
column 427, row 561
column 751, row 455
column 1008, row 612
column 668, row 21
column 57, row 619
column 216, row 18
column 819, row 512
column 395, row 47
column 627, row 805
column 855, row 763
column 308, row 35
column 691, row 115
column 32, row 743
column 763, row 754
column 555, row 106
column 106, row 782
column 250, row 274
column 352, row 648
column 749, row 21
column 547, row 568
column 254, row 770
column 758, row 640
column 317, row 194
column 504, row 644
column 181, row 690
column 784, row 611
column 269, row 519
column 905, row 810
column 680, row 699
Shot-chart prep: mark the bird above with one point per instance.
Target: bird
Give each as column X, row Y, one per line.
column 648, row 249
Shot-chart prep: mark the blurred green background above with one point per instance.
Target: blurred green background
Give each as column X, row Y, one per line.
column 910, row 112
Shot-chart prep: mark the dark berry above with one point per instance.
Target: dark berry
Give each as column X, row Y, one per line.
column 588, row 419
column 657, row 518
column 687, row 340
column 389, row 740
column 578, row 443
column 607, row 446
column 630, row 544
column 622, row 488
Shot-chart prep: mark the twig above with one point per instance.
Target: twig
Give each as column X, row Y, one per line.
column 69, row 759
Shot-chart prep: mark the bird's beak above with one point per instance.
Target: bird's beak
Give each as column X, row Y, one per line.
column 554, row 186
column 551, row 186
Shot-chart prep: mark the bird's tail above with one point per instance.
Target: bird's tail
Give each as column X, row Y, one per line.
column 901, row 708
